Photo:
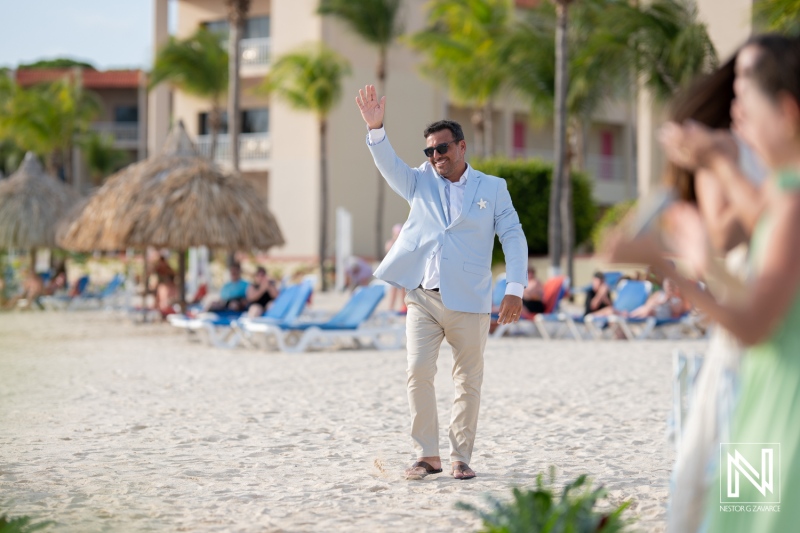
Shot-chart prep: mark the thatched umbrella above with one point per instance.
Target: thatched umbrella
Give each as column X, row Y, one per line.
column 31, row 205
column 175, row 200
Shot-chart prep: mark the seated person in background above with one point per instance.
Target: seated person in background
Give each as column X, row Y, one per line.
column 165, row 281
column 260, row 293
column 167, row 295
column 233, row 295
column 533, row 295
column 32, row 289
column 57, row 284
column 359, row 274
column 598, row 296
column 664, row 304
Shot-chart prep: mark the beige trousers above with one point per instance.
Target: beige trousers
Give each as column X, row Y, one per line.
column 428, row 322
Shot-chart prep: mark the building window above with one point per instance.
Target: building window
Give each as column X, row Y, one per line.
column 126, row 113
column 252, row 121
column 219, row 27
column 255, row 120
column 519, row 138
column 254, row 28
column 606, row 169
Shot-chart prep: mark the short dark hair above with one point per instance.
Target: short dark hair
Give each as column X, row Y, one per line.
column 776, row 69
column 600, row 276
column 439, row 125
column 261, row 270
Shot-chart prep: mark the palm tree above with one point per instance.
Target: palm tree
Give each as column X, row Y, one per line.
column 778, row 15
column 102, row 157
column 49, row 119
column 378, row 23
column 668, row 45
column 198, row 66
column 311, row 80
column 560, row 188
column 237, row 14
column 463, row 44
column 605, row 38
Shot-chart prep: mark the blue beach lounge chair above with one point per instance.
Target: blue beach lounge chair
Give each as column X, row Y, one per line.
column 351, row 323
column 630, row 295
column 223, row 329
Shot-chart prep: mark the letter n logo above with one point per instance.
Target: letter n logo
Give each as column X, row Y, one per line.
column 748, row 472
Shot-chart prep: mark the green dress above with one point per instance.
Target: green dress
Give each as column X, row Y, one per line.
column 768, row 412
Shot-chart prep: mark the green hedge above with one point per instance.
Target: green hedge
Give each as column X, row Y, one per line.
column 610, row 219
column 529, row 185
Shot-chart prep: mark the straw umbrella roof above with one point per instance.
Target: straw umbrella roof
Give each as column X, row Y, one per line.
column 31, row 205
column 174, row 200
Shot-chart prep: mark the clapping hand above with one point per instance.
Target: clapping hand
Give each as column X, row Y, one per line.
column 692, row 145
column 372, row 109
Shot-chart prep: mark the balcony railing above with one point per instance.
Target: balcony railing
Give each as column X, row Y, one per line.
column 253, row 147
column 599, row 167
column 123, row 133
column 254, row 52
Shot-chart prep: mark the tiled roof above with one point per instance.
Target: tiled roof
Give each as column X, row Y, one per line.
column 92, row 79
column 527, row 3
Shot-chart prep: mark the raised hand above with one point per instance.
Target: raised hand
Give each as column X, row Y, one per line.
column 372, row 109
column 692, row 145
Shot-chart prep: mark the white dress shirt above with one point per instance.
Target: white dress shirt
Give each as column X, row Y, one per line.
column 454, row 195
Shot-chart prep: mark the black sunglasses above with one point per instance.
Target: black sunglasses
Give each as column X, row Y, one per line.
column 441, row 148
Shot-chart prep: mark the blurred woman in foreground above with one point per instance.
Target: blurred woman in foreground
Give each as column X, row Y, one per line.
column 766, row 316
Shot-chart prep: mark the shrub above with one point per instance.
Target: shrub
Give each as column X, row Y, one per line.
column 22, row 524
column 528, row 183
column 610, row 218
column 543, row 510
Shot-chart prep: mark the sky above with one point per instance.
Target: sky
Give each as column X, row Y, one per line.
column 105, row 33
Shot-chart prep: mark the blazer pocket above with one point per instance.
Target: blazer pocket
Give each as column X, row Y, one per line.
column 407, row 244
column 477, row 269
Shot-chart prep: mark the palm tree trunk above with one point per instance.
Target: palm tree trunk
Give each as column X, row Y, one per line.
column 568, row 217
column 51, row 163
column 182, row 279
column 578, row 144
column 323, row 201
column 237, row 13
column 380, row 201
column 560, row 138
column 67, row 162
column 214, row 120
column 488, row 121
column 478, row 126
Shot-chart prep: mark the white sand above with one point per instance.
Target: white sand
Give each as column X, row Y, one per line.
column 109, row 426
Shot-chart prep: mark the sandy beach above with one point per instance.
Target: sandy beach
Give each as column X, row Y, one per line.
column 107, row 425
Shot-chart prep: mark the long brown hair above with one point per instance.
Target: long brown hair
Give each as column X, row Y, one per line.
column 707, row 101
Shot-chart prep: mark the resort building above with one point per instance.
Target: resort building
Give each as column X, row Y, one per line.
column 122, row 95
column 279, row 147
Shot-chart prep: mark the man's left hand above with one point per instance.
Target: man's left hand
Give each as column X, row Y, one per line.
column 510, row 309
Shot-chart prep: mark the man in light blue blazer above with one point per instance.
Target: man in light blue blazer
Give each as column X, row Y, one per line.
column 443, row 259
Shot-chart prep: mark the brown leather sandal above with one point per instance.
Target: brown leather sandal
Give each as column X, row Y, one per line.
column 420, row 469
column 463, row 469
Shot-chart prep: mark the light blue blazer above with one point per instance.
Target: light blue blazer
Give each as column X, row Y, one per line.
column 467, row 242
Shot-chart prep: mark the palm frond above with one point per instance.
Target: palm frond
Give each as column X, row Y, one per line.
column 463, row 46
column 778, row 15
column 308, row 79
column 376, row 21
column 197, row 65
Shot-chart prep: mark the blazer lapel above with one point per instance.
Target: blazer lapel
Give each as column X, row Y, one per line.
column 443, row 203
column 473, row 179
